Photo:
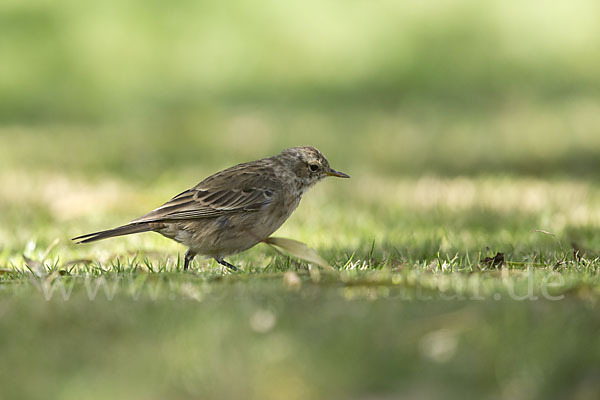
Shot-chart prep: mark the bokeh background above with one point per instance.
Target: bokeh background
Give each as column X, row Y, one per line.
column 465, row 125
column 141, row 88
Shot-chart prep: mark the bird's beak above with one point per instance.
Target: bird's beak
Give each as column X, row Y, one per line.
column 333, row 172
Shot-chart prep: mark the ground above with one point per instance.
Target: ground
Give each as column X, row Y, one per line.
column 420, row 302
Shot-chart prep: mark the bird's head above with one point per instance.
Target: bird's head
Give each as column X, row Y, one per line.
column 309, row 165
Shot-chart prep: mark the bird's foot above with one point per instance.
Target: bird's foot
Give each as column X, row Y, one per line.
column 226, row 264
column 189, row 256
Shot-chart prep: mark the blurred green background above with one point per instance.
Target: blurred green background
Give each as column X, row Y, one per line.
column 449, row 87
column 464, row 124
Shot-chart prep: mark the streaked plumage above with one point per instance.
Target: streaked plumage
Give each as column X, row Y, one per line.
column 233, row 210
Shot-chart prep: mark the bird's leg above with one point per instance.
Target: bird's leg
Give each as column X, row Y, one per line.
column 189, row 256
column 225, row 263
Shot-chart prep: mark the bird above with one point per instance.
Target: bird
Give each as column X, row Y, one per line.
column 234, row 209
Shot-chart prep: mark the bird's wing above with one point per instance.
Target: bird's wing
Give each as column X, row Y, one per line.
column 213, row 198
column 197, row 203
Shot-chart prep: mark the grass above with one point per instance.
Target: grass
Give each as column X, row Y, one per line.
column 412, row 310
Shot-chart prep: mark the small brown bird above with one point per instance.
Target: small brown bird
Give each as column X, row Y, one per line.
column 235, row 209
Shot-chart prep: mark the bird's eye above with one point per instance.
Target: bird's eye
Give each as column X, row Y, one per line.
column 313, row 167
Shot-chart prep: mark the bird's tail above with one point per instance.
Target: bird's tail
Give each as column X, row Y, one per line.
column 120, row 231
